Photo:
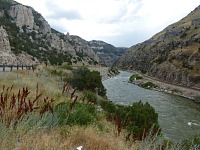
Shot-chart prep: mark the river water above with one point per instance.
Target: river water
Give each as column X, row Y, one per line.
column 179, row 117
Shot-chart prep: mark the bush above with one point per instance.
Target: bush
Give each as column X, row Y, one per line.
column 81, row 114
column 191, row 143
column 56, row 72
column 148, row 85
column 114, row 70
column 84, row 79
column 137, row 118
column 160, row 59
column 135, row 76
column 90, row 96
column 143, row 71
column 183, row 35
column 68, row 67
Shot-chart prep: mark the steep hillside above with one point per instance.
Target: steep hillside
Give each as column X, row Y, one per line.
column 25, row 34
column 107, row 53
column 172, row 55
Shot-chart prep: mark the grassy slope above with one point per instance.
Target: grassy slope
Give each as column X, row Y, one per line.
column 98, row 135
column 43, row 132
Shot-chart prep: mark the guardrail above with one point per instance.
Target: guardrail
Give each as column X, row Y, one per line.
column 5, row 67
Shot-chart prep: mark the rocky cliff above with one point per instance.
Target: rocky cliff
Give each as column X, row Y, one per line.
column 5, row 51
column 172, row 55
column 7, row 56
column 107, row 53
column 25, row 32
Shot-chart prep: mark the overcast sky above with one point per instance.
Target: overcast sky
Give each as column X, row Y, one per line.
column 118, row 22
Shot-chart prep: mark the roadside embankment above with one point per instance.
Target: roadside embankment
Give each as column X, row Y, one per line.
column 186, row 92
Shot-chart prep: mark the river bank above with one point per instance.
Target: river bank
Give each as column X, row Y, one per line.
column 179, row 117
column 190, row 93
column 105, row 72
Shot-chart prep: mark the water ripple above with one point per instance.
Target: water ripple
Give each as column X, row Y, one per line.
column 178, row 117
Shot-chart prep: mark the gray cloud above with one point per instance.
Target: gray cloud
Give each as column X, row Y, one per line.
column 128, row 39
column 58, row 13
column 69, row 15
column 58, row 27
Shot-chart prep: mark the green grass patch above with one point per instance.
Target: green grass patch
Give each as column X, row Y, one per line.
column 148, row 85
column 135, row 76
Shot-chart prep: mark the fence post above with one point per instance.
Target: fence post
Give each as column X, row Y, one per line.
column 17, row 67
column 33, row 68
column 22, row 67
column 11, row 67
column 3, row 67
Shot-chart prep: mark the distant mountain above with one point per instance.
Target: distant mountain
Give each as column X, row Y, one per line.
column 172, row 55
column 107, row 53
column 27, row 38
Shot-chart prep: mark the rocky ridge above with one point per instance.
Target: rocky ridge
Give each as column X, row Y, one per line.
column 30, row 34
column 172, row 55
column 7, row 56
column 107, row 53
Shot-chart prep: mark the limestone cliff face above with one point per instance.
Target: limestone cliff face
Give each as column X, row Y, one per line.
column 26, row 16
column 172, row 55
column 107, row 53
column 6, row 55
column 22, row 15
column 32, row 35
column 43, row 26
column 4, row 41
column 82, row 47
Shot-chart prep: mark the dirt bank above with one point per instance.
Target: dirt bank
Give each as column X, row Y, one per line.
column 190, row 93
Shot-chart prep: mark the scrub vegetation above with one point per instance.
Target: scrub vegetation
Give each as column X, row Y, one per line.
column 46, row 109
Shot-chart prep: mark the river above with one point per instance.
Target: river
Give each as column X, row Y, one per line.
column 179, row 117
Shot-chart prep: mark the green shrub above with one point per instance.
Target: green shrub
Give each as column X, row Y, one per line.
column 113, row 70
column 84, row 79
column 160, row 59
column 183, row 35
column 148, row 85
column 191, row 143
column 56, row 72
column 135, row 76
column 68, row 67
column 143, row 71
column 80, row 114
column 90, row 95
column 108, row 106
column 137, row 118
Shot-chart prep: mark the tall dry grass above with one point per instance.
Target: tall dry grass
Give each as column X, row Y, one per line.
column 67, row 138
column 49, row 137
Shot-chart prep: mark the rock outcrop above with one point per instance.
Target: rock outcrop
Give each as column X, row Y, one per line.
column 172, row 55
column 4, row 41
column 107, row 53
column 22, row 15
column 6, row 55
column 2, row 13
column 32, row 35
